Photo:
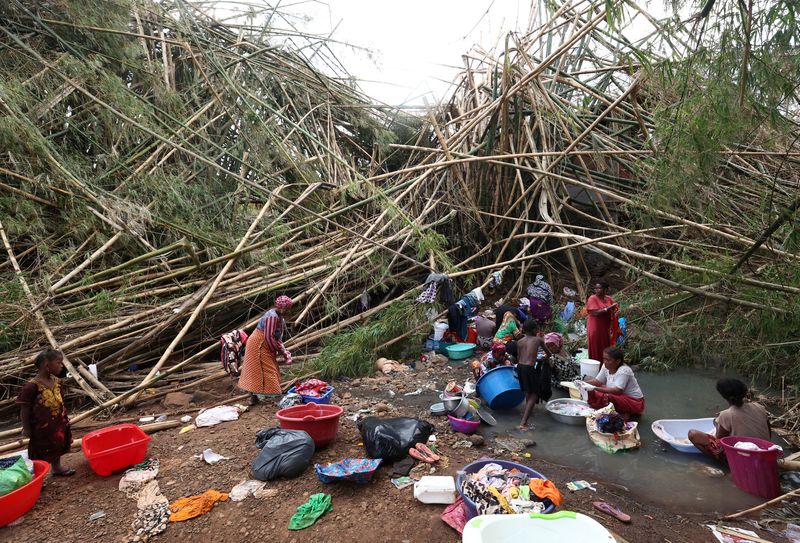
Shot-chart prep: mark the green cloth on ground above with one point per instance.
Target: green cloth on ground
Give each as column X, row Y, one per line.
column 308, row 513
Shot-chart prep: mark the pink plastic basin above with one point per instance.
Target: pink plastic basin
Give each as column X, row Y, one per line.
column 113, row 448
column 15, row 504
column 321, row 421
column 755, row 472
column 463, row 426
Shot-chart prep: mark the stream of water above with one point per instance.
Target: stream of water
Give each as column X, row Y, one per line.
column 656, row 472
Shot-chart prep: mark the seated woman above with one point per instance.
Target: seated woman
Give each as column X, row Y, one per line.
column 522, row 312
column 742, row 418
column 496, row 357
column 508, row 332
column 616, row 384
column 564, row 367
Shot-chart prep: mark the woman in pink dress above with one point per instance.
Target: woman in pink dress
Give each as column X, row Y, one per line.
column 601, row 309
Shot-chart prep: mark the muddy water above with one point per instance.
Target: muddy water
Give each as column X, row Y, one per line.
column 656, row 472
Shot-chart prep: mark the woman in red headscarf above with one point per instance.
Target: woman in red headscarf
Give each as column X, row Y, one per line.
column 260, row 373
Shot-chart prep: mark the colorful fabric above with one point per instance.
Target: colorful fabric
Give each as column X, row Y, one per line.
column 357, row 470
column 313, row 388
column 564, row 369
column 273, row 326
column 232, row 351
column 284, row 302
column 598, row 327
column 541, row 290
column 508, row 329
column 308, row 513
column 193, row 506
column 545, row 488
column 260, row 373
column 51, row 435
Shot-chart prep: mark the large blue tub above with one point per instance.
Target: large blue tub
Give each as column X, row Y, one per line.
column 500, row 388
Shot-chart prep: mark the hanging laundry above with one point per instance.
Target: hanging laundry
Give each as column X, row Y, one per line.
column 194, row 506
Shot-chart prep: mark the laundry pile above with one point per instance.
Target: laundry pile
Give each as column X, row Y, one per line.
column 313, row 388
column 497, row 490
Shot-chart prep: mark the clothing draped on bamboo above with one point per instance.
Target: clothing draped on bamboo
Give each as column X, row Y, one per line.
column 459, row 313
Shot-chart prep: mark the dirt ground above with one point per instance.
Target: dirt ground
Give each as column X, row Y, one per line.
column 376, row 511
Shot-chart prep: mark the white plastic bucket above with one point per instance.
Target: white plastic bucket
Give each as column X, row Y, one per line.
column 435, row 489
column 439, row 329
column 590, row 368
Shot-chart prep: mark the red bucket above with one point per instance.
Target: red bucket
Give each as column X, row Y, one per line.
column 755, row 472
column 321, row 421
column 15, row 504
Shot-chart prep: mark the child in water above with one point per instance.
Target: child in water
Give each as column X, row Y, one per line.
column 534, row 374
column 43, row 414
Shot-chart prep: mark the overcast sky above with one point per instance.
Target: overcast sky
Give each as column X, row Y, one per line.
column 409, row 51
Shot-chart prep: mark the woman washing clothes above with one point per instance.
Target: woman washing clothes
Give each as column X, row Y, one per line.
column 459, row 313
column 508, row 332
column 742, row 418
column 615, row 384
column 601, row 310
column 564, row 367
column 494, row 358
column 260, row 375
column 540, row 295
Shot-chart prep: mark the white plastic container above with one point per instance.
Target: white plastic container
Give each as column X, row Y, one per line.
column 552, row 528
column 435, row 489
column 439, row 328
column 590, row 368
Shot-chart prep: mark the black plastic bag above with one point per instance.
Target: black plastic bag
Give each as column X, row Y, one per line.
column 284, row 453
column 390, row 439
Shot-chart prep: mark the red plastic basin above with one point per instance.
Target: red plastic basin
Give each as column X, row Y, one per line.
column 113, row 448
column 15, row 504
column 321, row 421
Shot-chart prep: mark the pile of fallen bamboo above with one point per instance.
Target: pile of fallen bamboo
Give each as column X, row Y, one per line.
column 177, row 173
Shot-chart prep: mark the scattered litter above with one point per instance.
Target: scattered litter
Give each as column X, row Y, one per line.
column 415, row 393
column 147, row 419
column 194, row 506
column 187, row 429
column 97, row 515
column 580, row 485
column 284, row 453
column 469, row 388
column 392, row 393
column 463, row 444
column 138, row 476
column 245, row 489
column 402, row 482
column 792, row 532
column 353, row 417
column 161, row 418
column 216, row 415
column 186, row 418
column 290, row 400
column 210, row 457
column 308, row 513
column 728, row 534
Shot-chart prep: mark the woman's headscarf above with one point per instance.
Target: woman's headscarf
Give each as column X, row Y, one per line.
column 541, row 290
column 498, row 349
column 283, row 302
column 554, row 338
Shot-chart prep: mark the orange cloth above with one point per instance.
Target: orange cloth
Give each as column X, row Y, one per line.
column 544, row 488
column 259, row 371
column 194, row 506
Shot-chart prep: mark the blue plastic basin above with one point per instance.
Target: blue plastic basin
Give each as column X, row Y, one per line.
column 500, row 388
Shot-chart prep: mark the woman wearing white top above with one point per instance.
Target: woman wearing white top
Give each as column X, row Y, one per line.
column 616, row 384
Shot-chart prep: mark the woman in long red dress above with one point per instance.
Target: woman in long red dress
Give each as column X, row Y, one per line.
column 260, row 374
column 601, row 308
